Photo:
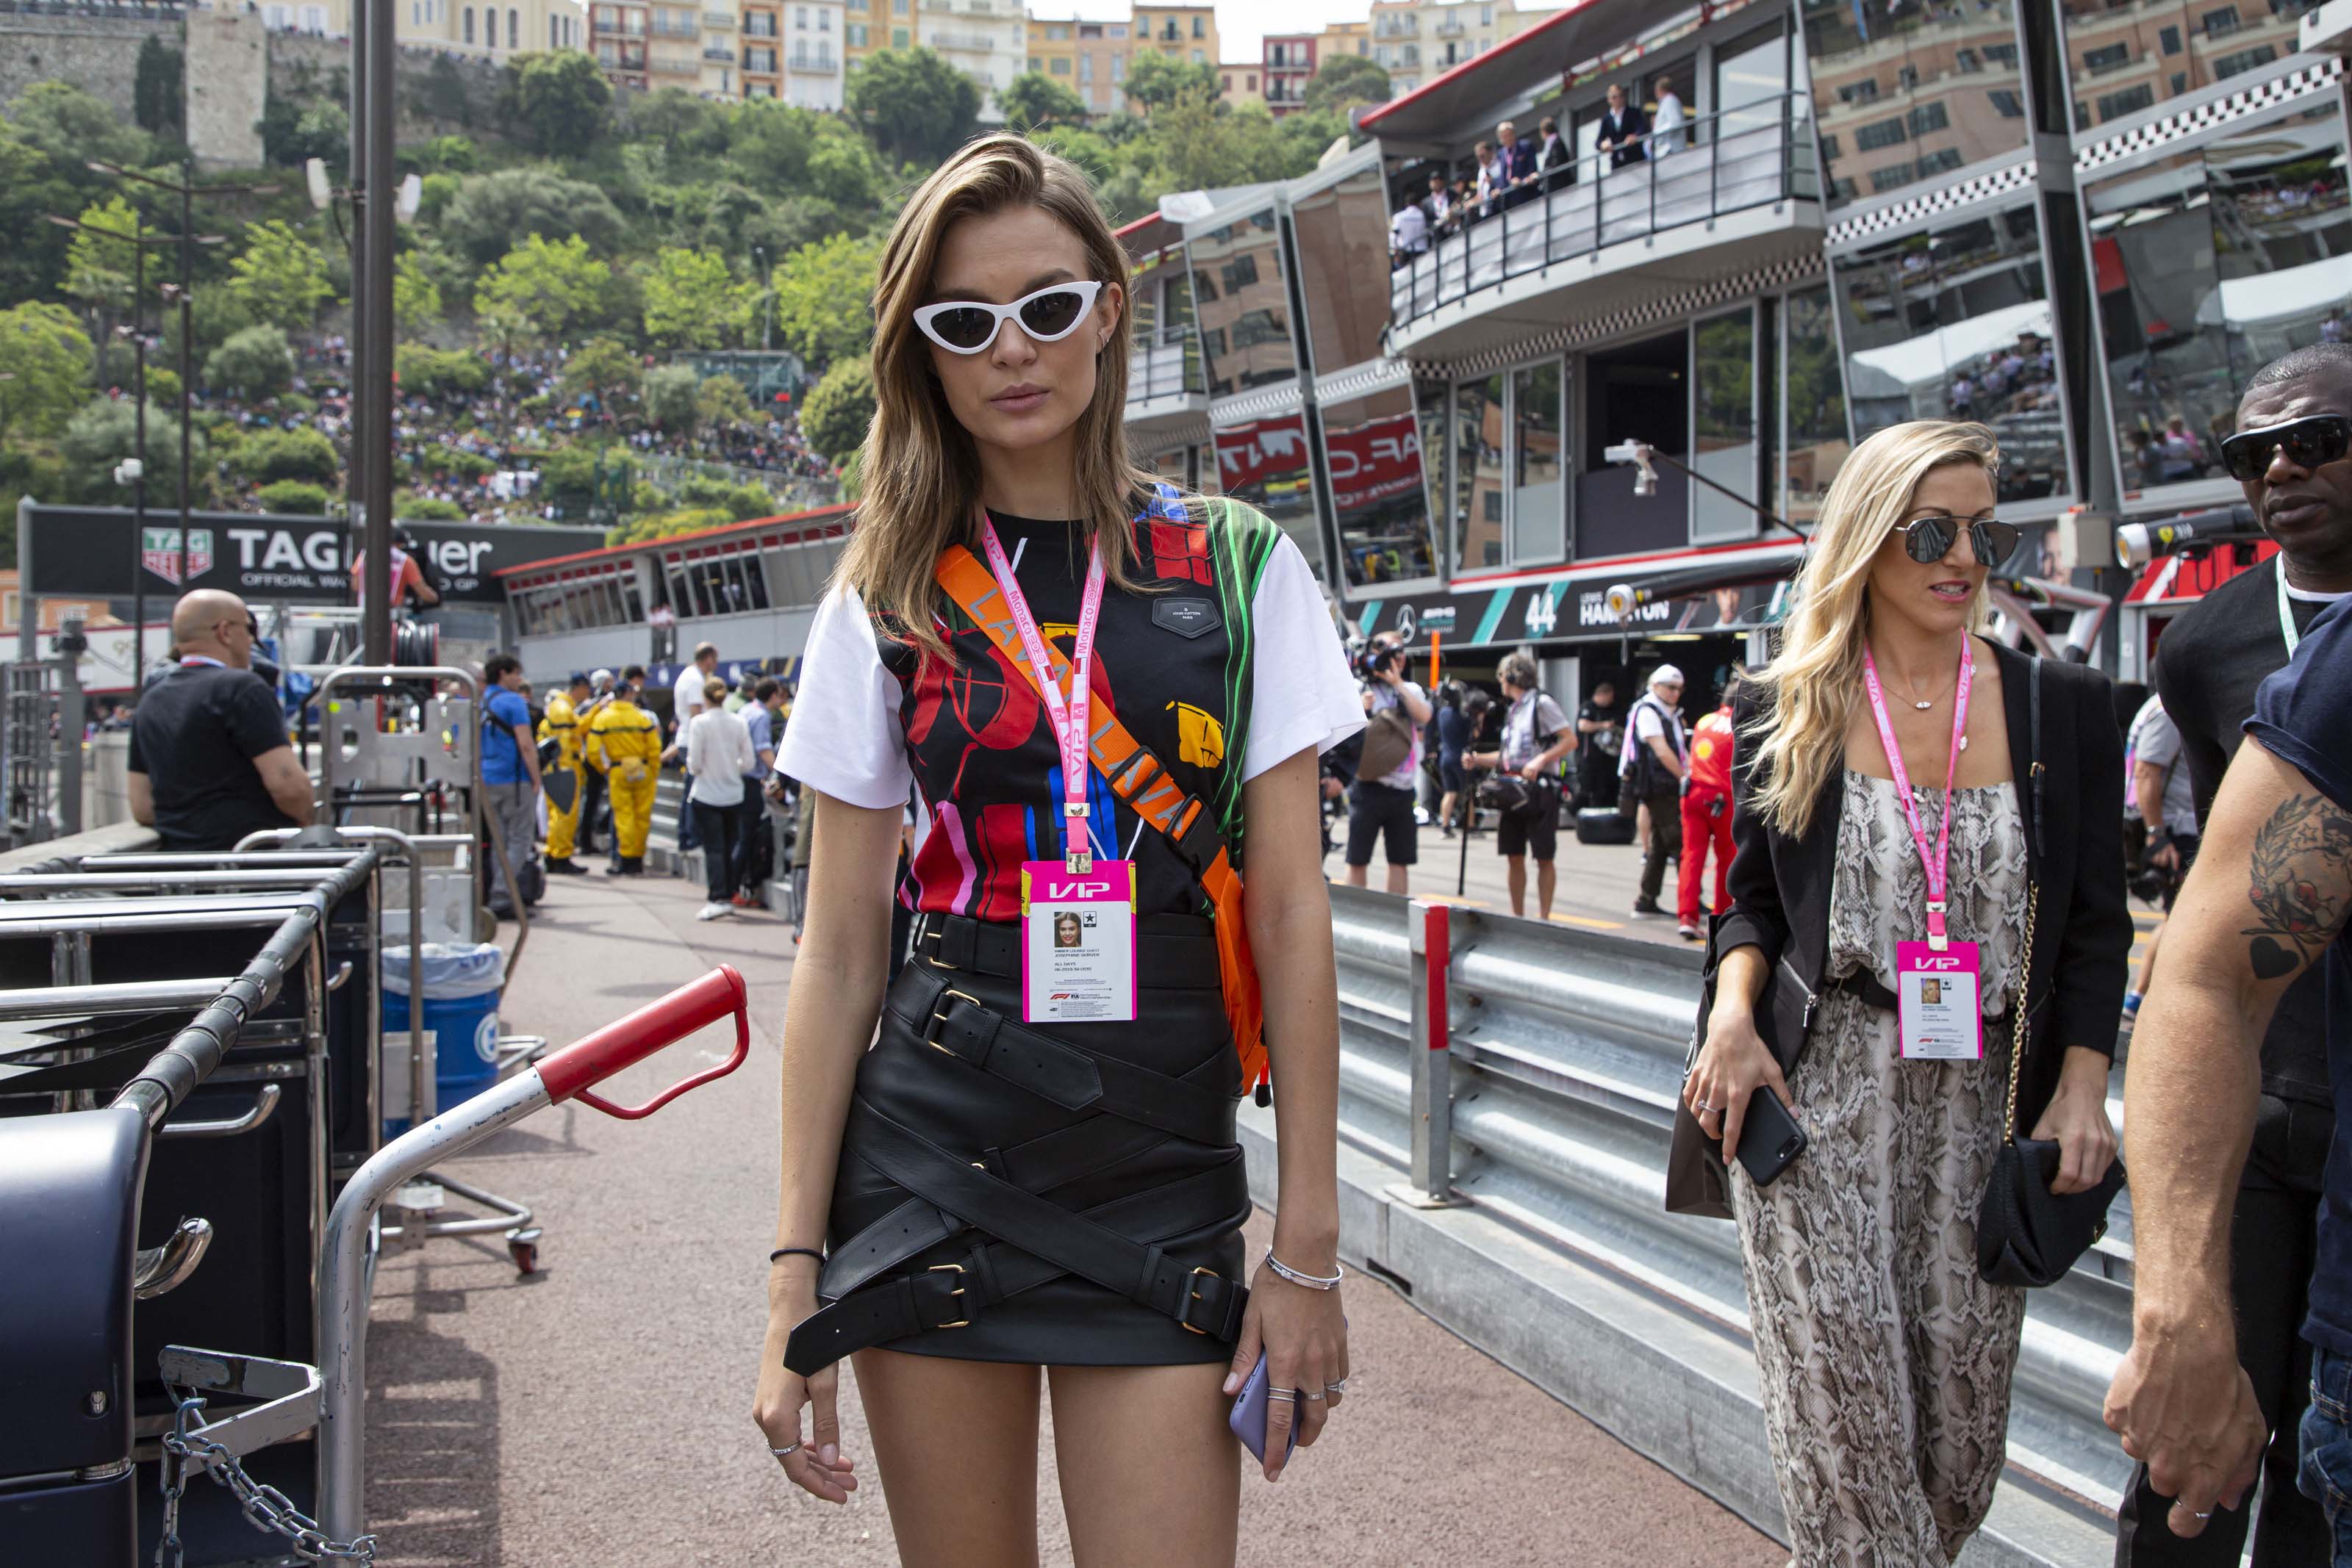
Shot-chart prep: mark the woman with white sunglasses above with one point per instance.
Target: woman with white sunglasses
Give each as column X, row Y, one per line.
column 1110, row 695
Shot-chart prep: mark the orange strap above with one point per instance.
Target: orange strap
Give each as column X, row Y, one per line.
column 1138, row 778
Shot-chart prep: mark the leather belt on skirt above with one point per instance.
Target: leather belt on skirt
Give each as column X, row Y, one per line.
column 1122, row 1174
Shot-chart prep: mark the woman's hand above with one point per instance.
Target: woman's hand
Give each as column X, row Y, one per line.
column 817, row 1465
column 2077, row 1119
column 1731, row 1064
column 1305, row 1337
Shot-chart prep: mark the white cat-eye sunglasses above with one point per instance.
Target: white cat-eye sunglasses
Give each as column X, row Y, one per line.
column 970, row 326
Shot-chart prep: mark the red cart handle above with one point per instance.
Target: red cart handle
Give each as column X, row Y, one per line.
column 626, row 1041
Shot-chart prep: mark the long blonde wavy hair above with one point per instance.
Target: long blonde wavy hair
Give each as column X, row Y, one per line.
column 1809, row 691
column 919, row 466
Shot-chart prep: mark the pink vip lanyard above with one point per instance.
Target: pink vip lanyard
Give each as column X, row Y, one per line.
column 1068, row 714
column 1936, row 860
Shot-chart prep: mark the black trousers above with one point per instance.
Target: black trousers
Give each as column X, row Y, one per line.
column 715, row 829
column 592, row 807
column 1666, row 837
column 2272, row 1241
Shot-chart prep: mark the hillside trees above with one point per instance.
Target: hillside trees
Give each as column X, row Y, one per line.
column 915, row 106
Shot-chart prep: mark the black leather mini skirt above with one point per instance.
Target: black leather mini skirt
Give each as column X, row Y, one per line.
column 1053, row 1194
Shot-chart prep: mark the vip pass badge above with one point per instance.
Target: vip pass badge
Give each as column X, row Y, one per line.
column 1077, row 914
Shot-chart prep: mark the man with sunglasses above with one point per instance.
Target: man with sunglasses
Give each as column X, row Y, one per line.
column 2294, row 430
column 209, row 760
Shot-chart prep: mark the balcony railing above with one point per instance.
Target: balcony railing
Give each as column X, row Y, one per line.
column 720, row 21
column 724, row 57
column 1449, row 29
column 1167, row 364
column 674, row 66
column 1397, row 28
column 675, row 29
column 822, row 66
column 760, row 62
column 1751, row 156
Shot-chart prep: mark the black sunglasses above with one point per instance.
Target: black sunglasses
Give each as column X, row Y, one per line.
column 2308, row 444
column 1927, row 539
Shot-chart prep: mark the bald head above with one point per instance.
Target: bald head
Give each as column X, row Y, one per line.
column 211, row 623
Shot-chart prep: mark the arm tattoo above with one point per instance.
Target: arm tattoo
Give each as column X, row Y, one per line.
column 2301, row 866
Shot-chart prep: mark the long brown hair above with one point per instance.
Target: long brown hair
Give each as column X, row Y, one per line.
column 919, row 466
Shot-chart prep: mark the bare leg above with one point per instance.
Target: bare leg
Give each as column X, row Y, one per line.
column 1397, row 875
column 1150, row 1471
column 1515, row 878
column 955, row 1442
column 1356, row 875
column 1546, row 877
column 2148, row 962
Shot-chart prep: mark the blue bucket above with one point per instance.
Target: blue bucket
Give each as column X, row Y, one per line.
column 462, row 984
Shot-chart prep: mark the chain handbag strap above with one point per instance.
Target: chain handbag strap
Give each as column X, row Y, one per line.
column 2017, row 1035
column 2033, row 771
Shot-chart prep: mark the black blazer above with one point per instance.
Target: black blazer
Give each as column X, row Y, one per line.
column 2082, row 949
column 1627, row 130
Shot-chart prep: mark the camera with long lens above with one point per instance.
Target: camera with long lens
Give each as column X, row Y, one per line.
column 1372, row 660
column 2152, row 884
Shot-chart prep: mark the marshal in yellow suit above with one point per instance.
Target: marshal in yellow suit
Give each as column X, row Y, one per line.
column 624, row 745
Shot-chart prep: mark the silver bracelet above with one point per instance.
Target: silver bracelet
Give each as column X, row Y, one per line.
column 1312, row 1281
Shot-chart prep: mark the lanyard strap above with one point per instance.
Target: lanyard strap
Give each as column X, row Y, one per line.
column 1068, row 714
column 2286, row 607
column 1935, row 860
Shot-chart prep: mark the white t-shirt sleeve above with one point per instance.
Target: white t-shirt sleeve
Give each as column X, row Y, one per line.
column 843, row 738
column 1301, row 693
column 687, row 692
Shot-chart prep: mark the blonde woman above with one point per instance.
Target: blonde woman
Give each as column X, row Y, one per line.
column 1008, row 1189
column 1884, row 1357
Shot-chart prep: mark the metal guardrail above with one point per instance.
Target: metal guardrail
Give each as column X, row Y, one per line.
column 1530, row 1070
column 1755, row 155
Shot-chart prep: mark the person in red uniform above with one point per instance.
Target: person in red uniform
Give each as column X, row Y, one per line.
column 1706, row 813
column 405, row 573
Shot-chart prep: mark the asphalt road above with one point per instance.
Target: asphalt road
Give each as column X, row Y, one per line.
column 599, row 1414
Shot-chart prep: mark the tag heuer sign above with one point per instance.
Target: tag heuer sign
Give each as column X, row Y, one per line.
column 159, row 551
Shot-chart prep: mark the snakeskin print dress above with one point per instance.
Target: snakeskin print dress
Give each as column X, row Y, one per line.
column 1884, row 1356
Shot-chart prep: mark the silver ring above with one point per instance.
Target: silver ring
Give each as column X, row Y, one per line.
column 2194, row 1514
column 1339, row 1388
column 1285, row 1394
column 1703, row 1108
column 1318, row 1398
column 787, row 1448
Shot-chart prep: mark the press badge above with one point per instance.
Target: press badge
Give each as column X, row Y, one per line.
column 1935, row 1002
column 1077, row 942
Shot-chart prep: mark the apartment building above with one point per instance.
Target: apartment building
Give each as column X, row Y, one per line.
column 1054, row 49
column 1104, row 49
column 1345, row 39
column 813, row 59
column 620, row 35
column 988, row 40
column 466, row 26
column 1240, row 82
column 1186, row 33
column 1286, row 64
column 762, row 35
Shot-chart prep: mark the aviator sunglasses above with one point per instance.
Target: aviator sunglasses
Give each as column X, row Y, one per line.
column 2309, row 442
column 1927, row 540
column 970, row 326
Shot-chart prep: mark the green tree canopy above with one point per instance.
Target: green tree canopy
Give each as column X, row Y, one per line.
column 293, row 497
column 541, row 288
column 837, row 410
column 825, row 296
column 721, row 400
column 254, row 364
column 1343, row 80
column 99, row 268
column 156, row 89
column 681, row 122
column 1034, row 99
column 415, row 297
column 692, row 301
column 489, row 210
column 915, row 106
column 600, row 367
column 672, row 397
column 105, row 433
column 436, row 373
column 45, row 355
column 280, row 276
column 561, row 101
column 266, row 456
column 73, row 126
column 1156, row 81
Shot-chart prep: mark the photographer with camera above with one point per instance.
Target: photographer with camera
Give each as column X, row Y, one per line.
column 1524, row 792
column 2167, row 803
column 1380, row 802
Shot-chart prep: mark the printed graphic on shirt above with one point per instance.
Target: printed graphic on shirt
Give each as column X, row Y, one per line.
column 981, row 747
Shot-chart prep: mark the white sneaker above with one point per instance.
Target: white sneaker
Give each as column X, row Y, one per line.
column 714, row 911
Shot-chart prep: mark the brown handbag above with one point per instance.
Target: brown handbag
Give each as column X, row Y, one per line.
column 1387, row 741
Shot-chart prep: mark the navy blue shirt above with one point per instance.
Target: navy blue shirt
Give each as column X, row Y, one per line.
column 2302, row 714
column 1453, row 736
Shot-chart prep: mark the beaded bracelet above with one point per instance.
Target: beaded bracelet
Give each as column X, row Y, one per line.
column 1312, row 1281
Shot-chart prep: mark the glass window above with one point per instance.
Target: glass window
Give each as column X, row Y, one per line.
column 1246, row 259
column 2006, row 103
column 1892, row 176
column 1538, row 499
column 2217, row 22
column 1477, row 458
column 2243, row 60
column 1956, row 324
column 1862, row 58
column 1342, row 236
column 2169, row 40
column 755, row 581
column 2220, row 41
column 2131, row 100
column 1814, row 396
column 1722, row 423
column 1268, row 465
column 1371, row 449
column 2107, row 58
column 2206, row 267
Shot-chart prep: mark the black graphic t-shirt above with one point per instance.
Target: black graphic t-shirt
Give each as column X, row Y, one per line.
column 1231, row 666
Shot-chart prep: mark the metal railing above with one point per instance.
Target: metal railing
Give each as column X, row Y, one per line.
column 1530, row 1070
column 1756, row 155
column 145, row 13
column 1167, row 364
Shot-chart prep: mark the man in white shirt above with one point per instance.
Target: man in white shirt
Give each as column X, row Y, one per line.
column 1408, row 234
column 1490, row 182
column 1381, row 806
column 1666, row 132
column 719, row 753
column 1656, row 758
column 686, row 701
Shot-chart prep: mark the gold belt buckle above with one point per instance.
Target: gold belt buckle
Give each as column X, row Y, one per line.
column 1183, row 1323
column 958, row 1291
column 932, row 933
column 939, row 1017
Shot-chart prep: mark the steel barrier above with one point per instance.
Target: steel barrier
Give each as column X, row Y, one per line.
column 1525, row 1072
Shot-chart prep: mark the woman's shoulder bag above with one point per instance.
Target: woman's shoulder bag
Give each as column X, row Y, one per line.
column 2026, row 1234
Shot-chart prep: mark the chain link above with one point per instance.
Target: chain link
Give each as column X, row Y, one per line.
column 266, row 1508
